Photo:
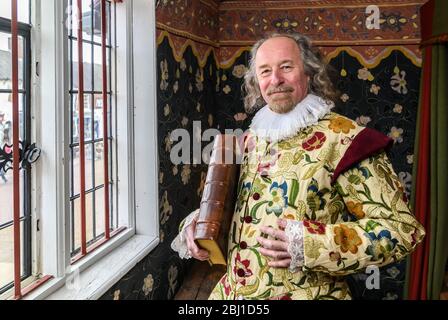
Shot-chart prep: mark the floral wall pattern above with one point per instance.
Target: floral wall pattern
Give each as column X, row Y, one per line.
column 186, row 99
column 377, row 90
column 384, row 98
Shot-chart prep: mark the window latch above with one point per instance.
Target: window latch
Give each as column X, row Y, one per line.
column 28, row 156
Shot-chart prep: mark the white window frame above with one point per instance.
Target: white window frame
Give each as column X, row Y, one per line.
column 93, row 275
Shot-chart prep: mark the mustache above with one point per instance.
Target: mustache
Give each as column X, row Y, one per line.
column 279, row 89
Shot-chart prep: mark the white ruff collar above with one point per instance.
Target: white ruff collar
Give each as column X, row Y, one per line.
column 273, row 126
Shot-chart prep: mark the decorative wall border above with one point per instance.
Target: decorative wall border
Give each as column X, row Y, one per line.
column 239, row 23
column 179, row 43
column 413, row 53
column 199, row 18
column 214, row 4
column 186, row 35
column 398, row 24
column 254, row 4
column 368, row 56
column 229, row 28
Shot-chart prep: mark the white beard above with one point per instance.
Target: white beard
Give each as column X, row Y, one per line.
column 274, row 127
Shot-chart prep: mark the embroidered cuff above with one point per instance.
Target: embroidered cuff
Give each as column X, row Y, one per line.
column 294, row 232
column 179, row 243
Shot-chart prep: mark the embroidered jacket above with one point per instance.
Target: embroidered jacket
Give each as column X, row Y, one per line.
column 336, row 178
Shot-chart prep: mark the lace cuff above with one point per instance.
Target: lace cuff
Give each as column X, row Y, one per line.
column 294, row 232
column 179, row 243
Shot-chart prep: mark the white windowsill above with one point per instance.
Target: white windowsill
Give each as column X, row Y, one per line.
column 100, row 277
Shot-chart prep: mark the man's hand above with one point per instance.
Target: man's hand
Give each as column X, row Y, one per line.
column 193, row 249
column 277, row 249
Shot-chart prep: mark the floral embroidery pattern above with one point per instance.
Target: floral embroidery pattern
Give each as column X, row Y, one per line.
column 290, row 183
column 225, row 285
column 166, row 208
column 356, row 209
column 241, row 269
column 398, row 108
column 396, row 134
column 347, row 238
column 239, row 71
column 363, row 120
column 278, row 198
column 163, row 74
column 340, row 124
column 315, row 199
column 358, row 175
column 314, row 142
column 345, row 97
column 375, row 89
column 364, row 74
column 382, row 245
column 398, row 82
column 148, row 284
column 172, row 280
column 314, row 226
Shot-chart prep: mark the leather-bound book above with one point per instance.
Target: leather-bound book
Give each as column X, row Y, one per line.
column 218, row 199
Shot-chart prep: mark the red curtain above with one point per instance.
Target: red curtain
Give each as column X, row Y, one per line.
column 425, row 270
column 419, row 259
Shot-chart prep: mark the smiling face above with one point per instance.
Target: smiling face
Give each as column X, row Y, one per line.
column 280, row 74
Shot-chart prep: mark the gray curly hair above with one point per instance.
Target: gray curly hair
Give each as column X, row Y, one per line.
column 320, row 83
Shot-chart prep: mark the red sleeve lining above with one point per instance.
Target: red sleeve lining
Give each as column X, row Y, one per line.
column 365, row 144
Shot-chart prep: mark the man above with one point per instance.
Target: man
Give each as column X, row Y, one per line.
column 318, row 198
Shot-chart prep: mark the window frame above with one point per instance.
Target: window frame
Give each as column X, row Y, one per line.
column 24, row 31
column 137, row 193
column 90, row 94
